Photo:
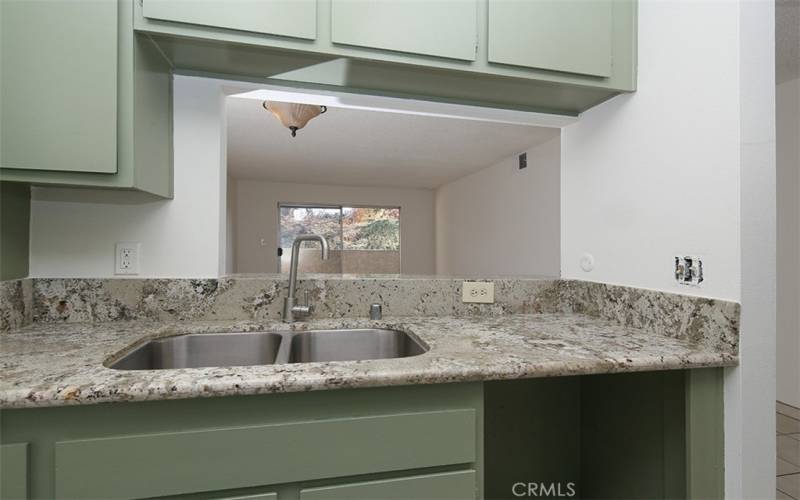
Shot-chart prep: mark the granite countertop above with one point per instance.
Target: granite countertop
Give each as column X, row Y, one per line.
column 63, row 364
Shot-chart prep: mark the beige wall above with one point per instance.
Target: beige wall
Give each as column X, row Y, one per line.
column 788, row 241
column 502, row 220
column 256, row 217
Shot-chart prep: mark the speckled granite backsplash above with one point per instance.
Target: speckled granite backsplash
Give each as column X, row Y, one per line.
column 711, row 322
column 261, row 298
column 714, row 323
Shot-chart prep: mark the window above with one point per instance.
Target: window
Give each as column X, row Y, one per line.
column 365, row 228
column 325, row 221
column 363, row 240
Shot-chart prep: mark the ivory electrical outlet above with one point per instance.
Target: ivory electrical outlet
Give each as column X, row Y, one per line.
column 126, row 259
column 480, row 292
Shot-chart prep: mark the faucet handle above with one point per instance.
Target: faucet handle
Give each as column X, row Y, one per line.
column 307, row 298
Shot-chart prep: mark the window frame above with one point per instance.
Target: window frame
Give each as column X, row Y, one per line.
column 341, row 206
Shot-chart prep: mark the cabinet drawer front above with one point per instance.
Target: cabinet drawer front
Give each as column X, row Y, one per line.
column 215, row 459
column 261, row 496
column 573, row 36
column 14, row 471
column 59, row 85
column 294, row 18
column 459, row 485
column 443, row 28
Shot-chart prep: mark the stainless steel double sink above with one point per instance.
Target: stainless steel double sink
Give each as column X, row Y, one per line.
column 266, row 348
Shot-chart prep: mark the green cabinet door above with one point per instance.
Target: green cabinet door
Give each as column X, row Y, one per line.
column 213, row 495
column 443, row 28
column 294, row 18
column 13, row 471
column 458, row 485
column 85, row 101
column 260, row 496
column 58, row 85
column 15, row 224
column 241, row 457
column 573, row 36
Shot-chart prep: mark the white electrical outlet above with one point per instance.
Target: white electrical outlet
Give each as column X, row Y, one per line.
column 481, row 292
column 587, row 262
column 126, row 258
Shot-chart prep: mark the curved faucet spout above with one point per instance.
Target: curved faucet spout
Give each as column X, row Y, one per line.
column 324, row 244
column 309, row 237
column 289, row 307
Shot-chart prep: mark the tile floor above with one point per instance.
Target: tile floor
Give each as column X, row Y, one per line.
column 788, row 426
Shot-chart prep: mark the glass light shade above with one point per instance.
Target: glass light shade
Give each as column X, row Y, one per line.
column 292, row 115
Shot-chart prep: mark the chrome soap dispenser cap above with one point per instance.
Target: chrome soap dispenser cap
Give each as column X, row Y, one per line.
column 375, row 311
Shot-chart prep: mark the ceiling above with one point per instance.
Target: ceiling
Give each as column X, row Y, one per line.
column 787, row 40
column 359, row 147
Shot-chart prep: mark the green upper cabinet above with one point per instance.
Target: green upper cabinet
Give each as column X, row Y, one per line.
column 59, row 85
column 551, row 56
column 443, row 28
column 571, row 36
column 85, row 101
column 293, row 18
column 15, row 225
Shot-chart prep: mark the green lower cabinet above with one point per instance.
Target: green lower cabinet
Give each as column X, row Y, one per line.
column 271, row 446
column 456, row 485
column 651, row 435
column 265, row 496
column 13, row 471
column 225, row 496
column 705, row 457
column 221, row 458
column 634, row 436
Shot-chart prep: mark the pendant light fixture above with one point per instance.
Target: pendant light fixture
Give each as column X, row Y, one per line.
column 292, row 115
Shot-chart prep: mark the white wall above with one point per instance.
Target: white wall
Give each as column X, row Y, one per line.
column 73, row 232
column 750, row 388
column 502, row 220
column 256, row 208
column 788, row 182
column 655, row 174
column 230, row 234
column 658, row 173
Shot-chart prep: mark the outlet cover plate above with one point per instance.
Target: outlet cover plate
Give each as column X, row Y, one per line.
column 478, row 292
column 126, row 258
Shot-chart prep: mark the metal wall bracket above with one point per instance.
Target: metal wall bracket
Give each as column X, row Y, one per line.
column 689, row 270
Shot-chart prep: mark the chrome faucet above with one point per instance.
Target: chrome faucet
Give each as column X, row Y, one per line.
column 292, row 312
